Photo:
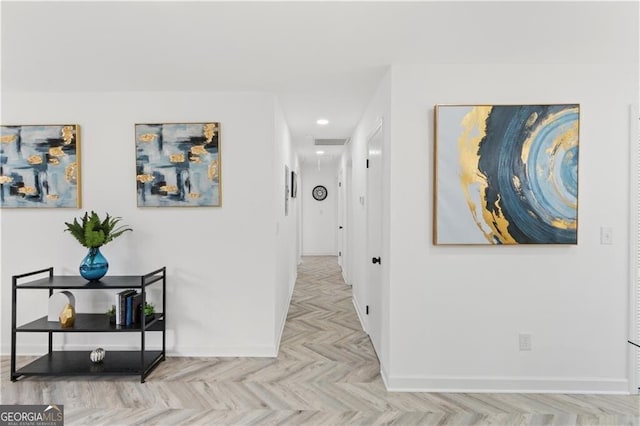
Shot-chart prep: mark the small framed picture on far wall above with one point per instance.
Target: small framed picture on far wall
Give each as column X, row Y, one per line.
column 294, row 184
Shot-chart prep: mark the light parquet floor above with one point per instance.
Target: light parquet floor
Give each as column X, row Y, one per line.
column 326, row 373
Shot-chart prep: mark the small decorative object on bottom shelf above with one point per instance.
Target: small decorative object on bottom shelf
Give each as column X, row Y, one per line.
column 67, row 316
column 111, row 313
column 97, row 355
column 149, row 311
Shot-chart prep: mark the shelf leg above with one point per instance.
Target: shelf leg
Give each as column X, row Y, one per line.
column 14, row 298
column 50, row 333
column 143, row 329
column 164, row 312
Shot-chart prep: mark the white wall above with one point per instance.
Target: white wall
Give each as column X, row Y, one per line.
column 379, row 109
column 221, row 262
column 319, row 218
column 287, row 253
column 456, row 312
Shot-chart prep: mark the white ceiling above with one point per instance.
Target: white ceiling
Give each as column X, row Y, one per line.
column 322, row 59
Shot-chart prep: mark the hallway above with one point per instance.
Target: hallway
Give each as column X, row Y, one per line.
column 326, row 373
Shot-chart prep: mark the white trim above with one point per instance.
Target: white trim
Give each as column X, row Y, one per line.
column 633, row 358
column 376, row 128
column 265, row 351
column 320, row 253
column 359, row 313
column 457, row 384
column 385, row 376
column 283, row 320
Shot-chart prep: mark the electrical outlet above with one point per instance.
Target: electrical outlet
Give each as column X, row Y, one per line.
column 606, row 235
column 524, row 339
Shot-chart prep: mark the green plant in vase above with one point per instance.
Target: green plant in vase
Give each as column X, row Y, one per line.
column 111, row 313
column 149, row 310
column 93, row 232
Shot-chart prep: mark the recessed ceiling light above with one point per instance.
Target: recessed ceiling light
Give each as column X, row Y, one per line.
column 322, row 121
column 319, row 152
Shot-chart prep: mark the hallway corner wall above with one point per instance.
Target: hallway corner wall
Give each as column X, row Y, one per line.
column 286, row 225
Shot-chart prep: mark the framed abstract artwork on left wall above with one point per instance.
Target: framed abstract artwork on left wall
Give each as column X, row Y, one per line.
column 178, row 164
column 40, row 166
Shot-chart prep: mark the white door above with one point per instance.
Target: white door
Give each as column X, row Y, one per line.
column 347, row 262
column 341, row 209
column 634, row 326
column 374, row 237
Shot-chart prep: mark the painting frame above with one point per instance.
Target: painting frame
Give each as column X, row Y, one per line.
column 40, row 166
column 178, row 164
column 287, row 191
column 294, row 184
column 506, row 174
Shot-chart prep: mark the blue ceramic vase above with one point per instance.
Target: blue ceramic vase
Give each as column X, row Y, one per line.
column 94, row 266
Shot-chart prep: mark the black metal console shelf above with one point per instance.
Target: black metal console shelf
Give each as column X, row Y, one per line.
column 132, row 362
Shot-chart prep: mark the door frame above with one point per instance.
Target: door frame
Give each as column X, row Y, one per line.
column 344, row 212
column 376, row 131
column 341, row 218
column 633, row 366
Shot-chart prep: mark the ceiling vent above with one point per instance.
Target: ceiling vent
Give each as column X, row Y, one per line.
column 332, row 142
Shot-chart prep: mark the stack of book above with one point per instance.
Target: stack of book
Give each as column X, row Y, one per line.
column 128, row 307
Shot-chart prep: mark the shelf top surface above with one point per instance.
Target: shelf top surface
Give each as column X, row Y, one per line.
column 94, row 323
column 77, row 282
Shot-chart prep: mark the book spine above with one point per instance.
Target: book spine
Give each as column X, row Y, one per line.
column 129, row 310
column 123, row 308
column 135, row 310
column 117, row 303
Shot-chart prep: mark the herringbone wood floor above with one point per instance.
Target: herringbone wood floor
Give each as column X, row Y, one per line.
column 326, row 374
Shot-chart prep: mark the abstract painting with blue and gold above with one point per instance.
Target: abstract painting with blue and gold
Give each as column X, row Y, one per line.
column 39, row 166
column 506, row 174
column 178, row 164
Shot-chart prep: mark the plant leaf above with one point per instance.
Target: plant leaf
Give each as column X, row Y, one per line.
column 91, row 231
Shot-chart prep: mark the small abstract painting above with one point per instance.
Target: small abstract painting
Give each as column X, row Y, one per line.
column 40, row 166
column 506, row 174
column 294, row 184
column 286, row 190
column 178, row 165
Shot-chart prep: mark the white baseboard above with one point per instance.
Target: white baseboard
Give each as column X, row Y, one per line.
column 267, row 351
column 344, row 278
column 359, row 313
column 283, row 320
column 320, row 253
column 384, row 375
column 504, row 384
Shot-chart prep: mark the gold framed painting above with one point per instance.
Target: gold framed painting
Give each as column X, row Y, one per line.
column 506, row 174
column 178, row 164
column 40, row 166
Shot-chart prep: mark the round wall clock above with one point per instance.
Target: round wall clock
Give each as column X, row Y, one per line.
column 319, row 192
